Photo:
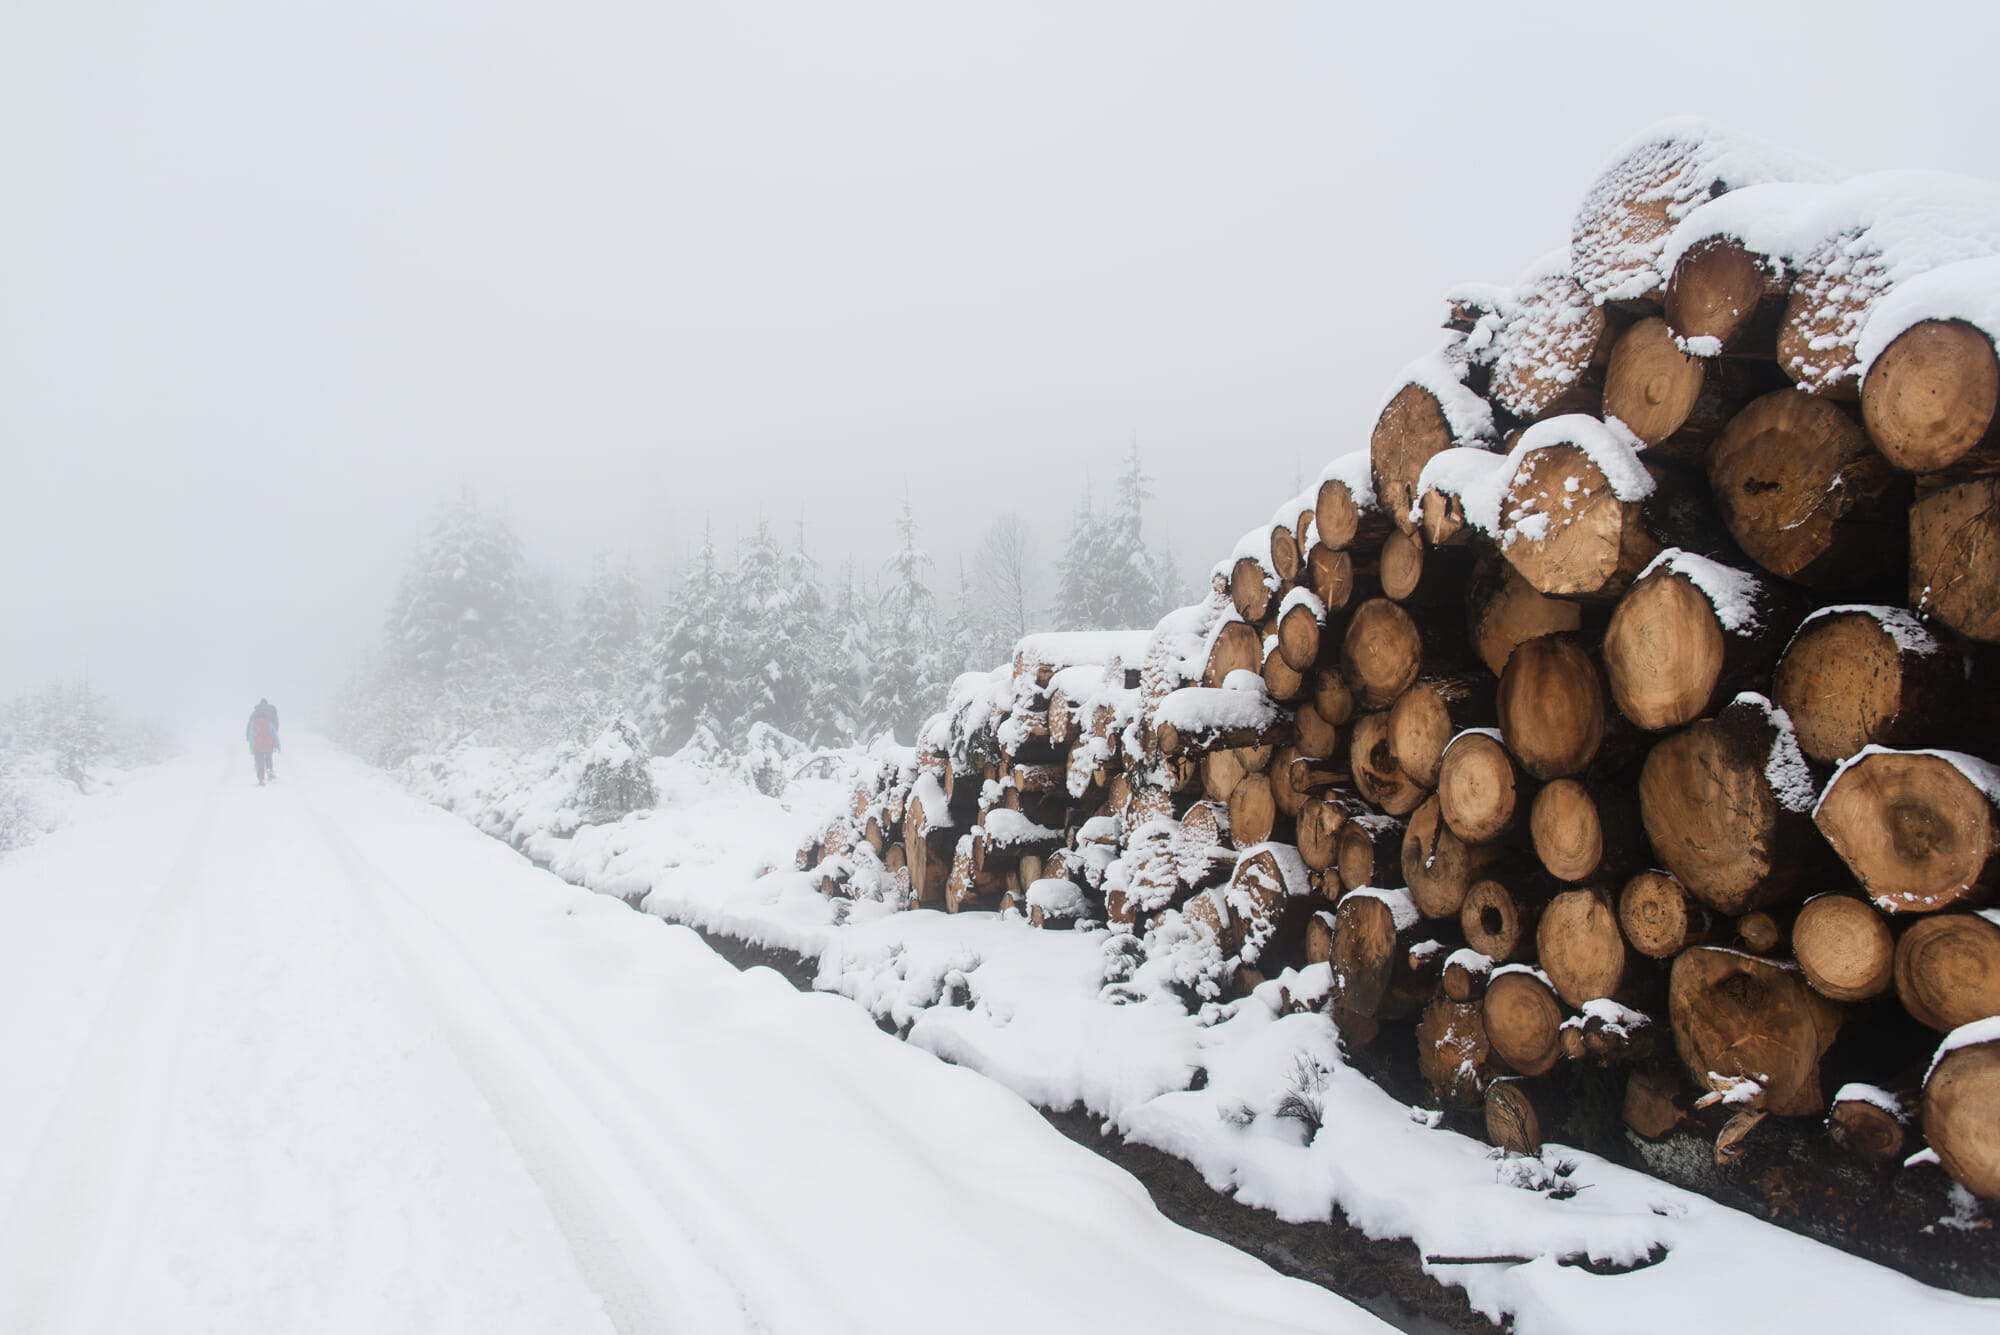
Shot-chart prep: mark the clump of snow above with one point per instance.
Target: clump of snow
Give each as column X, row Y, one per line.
column 1195, row 710
column 1731, row 592
column 1681, row 163
column 1908, row 633
column 1610, row 447
column 1058, row 899
column 1306, row 598
column 1354, row 470
column 1256, row 546
column 1473, row 475
column 1785, row 769
column 1968, row 290
column 1965, row 1036
column 1547, row 328
column 1068, row 648
column 1470, row 960
column 1402, row 907
column 1611, row 1016
column 1896, row 1105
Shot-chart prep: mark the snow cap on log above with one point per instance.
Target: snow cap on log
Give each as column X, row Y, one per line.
column 1541, row 340
column 1654, row 181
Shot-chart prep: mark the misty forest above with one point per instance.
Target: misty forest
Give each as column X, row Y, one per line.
column 1090, row 668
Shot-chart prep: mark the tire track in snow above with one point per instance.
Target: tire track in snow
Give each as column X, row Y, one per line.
column 63, row 1234
column 650, row 1271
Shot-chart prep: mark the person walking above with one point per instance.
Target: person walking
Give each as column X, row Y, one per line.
column 262, row 734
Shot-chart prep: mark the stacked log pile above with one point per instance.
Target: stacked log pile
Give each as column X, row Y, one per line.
column 1625, row 704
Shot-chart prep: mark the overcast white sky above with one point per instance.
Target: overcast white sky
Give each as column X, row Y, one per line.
column 278, row 278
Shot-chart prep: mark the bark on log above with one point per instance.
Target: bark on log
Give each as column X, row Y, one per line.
column 1955, row 558
column 1370, row 947
column 1737, row 1018
column 1500, row 922
column 1947, row 970
column 1551, row 707
column 1689, row 635
column 1482, row 795
column 1961, row 1109
column 1438, row 866
column 1806, row 496
column 1718, row 820
column 1661, row 919
column 1845, row 947
column 1581, row 948
column 1453, row 1054
column 1548, row 348
column 1371, row 852
column 1503, row 611
column 1523, row 1020
column 1425, row 719
column 1916, row 828
column 1378, row 776
column 1930, row 398
column 1512, row 1122
column 1269, row 900
column 1871, row 676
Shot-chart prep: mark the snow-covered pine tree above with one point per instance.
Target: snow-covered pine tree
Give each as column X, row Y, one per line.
column 759, row 629
column 692, row 680
column 461, row 608
column 842, row 690
column 1108, row 579
column 1003, row 582
column 905, row 670
column 807, row 653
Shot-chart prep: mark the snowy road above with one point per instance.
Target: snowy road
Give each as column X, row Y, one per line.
column 321, row 1058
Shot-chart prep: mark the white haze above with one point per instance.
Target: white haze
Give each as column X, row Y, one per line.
column 276, row 280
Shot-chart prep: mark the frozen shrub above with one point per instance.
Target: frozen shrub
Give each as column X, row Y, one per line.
column 615, row 779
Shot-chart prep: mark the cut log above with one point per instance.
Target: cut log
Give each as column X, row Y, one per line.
column 1439, row 867
column 1568, row 529
column 1252, row 585
column 1482, row 795
column 1289, row 798
column 1761, row 933
column 1961, row 1110
column 1523, row 1020
column 1872, row 1124
column 1512, row 1123
column 1545, row 346
column 1221, row 771
column 1371, row 939
column 1947, row 970
column 1651, row 385
column 1747, row 1025
column 1806, row 496
column 1845, row 947
column 1689, row 635
column 1930, row 398
column 1723, row 290
column 1253, row 811
column 1661, row 919
column 1426, row 717
column 1453, row 1055
column 1269, row 900
column 1333, row 576
column 1498, row 923
column 1319, row 937
column 1371, row 851
column 1580, row 947
column 1340, row 520
column 1581, row 832
column 1503, row 610
column 1551, row 707
column 1199, row 719
column 1320, row 823
column 1236, row 648
column 1331, row 696
column 1411, row 430
column 1299, row 624
column 1608, row 1034
column 1311, row 776
column 1283, row 546
column 1869, row 676
column 1726, row 805
column 1465, row 974
column 1313, row 733
column 1955, row 558
column 1654, row 1099
column 1919, row 829
column 1823, row 315
column 1383, row 652
column 1378, row 776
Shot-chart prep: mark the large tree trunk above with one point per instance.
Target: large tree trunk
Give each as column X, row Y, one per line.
column 1737, row 1018
column 1955, row 558
column 1726, row 805
column 1807, row 497
column 1691, row 634
column 1567, row 530
column 1918, row 829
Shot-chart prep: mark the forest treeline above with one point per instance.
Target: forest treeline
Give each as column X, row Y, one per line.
column 479, row 646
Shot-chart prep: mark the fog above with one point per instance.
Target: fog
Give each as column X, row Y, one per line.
column 278, row 280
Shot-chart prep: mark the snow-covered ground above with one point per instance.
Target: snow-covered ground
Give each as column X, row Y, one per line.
column 320, row 1057
column 1062, row 1018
